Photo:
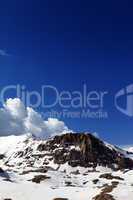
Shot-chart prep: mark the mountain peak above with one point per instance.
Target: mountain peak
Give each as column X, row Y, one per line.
column 81, row 149
column 75, row 149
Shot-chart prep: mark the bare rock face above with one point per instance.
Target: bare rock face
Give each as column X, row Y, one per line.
column 84, row 150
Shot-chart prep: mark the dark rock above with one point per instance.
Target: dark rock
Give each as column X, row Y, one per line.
column 75, row 172
column 41, row 147
column 60, row 199
column 95, row 181
column 85, row 182
column 107, row 189
column 19, row 154
column 104, row 197
column 110, row 177
column 39, row 178
column 7, row 199
column 1, row 170
column 2, row 156
column 68, row 183
column 90, row 152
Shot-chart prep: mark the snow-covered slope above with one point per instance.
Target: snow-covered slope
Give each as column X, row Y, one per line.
column 70, row 166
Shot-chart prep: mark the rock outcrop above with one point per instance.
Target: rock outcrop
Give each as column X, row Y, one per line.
column 84, row 150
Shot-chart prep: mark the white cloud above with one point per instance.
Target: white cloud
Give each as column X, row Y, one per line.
column 17, row 119
column 15, row 108
column 3, row 53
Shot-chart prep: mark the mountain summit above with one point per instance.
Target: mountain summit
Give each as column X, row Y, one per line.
column 85, row 150
column 75, row 149
column 72, row 166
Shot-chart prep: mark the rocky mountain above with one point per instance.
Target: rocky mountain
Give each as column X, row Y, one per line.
column 85, row 150
column 71, row 166
column 79, row 149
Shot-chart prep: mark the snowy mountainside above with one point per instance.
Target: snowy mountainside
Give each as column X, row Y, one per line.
column 65, row 167
column 80, row 149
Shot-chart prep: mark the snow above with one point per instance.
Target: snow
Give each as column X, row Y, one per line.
column 82, row 186
column 10, row 142
column 50, row 189
column 22, row 189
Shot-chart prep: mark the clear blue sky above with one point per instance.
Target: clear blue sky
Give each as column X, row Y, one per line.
column 68, row 43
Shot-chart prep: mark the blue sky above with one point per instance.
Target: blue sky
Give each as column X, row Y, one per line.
column 67, row 44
